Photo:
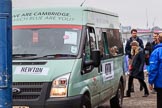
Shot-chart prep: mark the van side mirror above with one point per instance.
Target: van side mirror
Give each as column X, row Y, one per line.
column 96, row 57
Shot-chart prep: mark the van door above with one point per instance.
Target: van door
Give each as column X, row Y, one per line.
column 116, row 51
column 90, row 71
column 112, row 62
column 106, row 67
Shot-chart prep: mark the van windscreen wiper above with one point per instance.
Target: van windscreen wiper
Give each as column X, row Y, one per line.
column 23, row 55
column 53, row 56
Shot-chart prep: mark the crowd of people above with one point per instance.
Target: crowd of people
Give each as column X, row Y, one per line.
column 149, row 55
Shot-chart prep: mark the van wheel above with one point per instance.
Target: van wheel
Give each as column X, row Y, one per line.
column 86, row 103
column 117, row 101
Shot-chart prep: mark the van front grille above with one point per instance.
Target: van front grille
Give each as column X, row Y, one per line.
column 27, row 90
column 27, row 83
column 25, row 97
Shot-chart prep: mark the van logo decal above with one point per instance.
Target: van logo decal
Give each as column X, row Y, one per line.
column 16, row 91
column 31, row 70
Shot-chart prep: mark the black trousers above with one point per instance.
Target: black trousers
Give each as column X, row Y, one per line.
column 141, row 87
column 159, row 97
column 143, row 84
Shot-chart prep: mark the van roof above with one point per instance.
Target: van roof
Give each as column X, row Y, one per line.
column 92, row 9
column 65, row 15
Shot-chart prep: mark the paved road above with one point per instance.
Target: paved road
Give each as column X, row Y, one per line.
column 136, row 100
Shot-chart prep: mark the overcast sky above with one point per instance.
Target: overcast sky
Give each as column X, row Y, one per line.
column 135, row 13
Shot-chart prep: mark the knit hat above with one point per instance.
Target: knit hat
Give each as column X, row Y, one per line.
column 134, row 43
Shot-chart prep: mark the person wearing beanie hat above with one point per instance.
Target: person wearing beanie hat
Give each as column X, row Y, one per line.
column 136, row 70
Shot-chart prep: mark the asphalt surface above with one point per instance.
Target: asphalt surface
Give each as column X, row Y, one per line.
column 136, row 100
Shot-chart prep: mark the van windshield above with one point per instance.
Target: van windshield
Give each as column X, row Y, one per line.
column 46, row 40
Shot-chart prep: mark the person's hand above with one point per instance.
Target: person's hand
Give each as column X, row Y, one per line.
column 130, row 67
column 147, row 74
column 150, row 87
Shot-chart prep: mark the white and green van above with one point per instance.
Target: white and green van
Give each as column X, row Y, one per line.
column 67, row 58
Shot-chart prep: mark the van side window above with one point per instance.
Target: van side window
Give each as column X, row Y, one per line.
column 87, row 49
column 102, row 42
column 105, row 43
column 90, row 43
column 92, row 38
column 114, row 42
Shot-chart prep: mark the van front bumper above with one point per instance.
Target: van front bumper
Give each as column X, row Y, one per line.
column 69, row 102
column 41, row 98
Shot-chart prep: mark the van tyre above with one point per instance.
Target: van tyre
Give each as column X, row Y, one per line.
column 86, row 103
column 117, row 101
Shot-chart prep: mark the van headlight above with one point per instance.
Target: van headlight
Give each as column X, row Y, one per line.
column 59, row 86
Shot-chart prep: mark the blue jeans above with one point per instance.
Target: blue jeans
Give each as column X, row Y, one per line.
column 148, row 68
column 125, row 63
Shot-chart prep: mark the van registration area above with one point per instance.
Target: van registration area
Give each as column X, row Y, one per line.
column 20, row 107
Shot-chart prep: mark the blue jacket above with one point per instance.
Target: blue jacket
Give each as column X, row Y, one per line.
column 155, row 74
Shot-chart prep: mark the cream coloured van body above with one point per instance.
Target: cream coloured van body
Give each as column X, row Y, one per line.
column 67, row 58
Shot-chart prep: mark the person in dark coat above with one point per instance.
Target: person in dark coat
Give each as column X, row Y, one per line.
column 128, row 50
column 149, row 47
column 147, row 51
column 137, row 66
column 134, row 37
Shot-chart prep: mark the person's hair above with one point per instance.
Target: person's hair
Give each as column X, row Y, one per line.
column 134, row 43
column 135, row 51
column 160, row 37
column 156, row 33
column 133, row 30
